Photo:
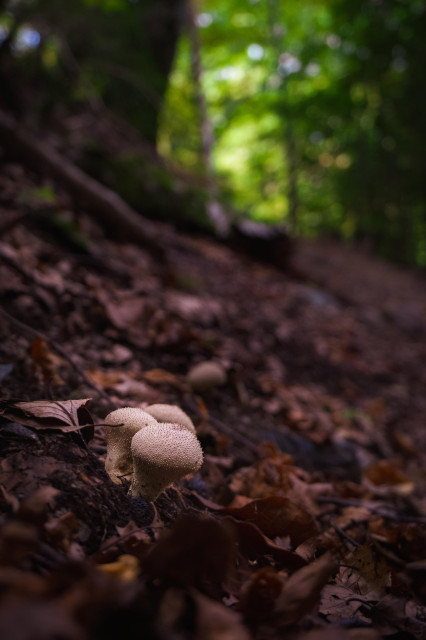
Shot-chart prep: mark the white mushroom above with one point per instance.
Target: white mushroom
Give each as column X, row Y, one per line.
column 163, row 454
column 206, row 375
column 170, row 413
column 118, row 462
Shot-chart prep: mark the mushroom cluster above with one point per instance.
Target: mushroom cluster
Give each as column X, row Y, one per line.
column 152, row 448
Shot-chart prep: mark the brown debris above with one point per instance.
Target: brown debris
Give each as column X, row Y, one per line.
column 307, row 519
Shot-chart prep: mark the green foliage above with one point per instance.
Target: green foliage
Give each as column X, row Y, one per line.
column 116, row 51
column 317, row 107
column 324, row 96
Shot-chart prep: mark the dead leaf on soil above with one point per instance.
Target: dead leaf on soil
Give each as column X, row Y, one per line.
column 303, row 589
column 125, row 568
column 388, row 473
column 61, row 531
column 216, row 622
column 161, row 376
column 126, row 311
column 257, row 547
column 195, row 552
column 368, row 572
column 43, row 414
column 277, row 516
column 46, row 362
column 259, row 594
column 207, row 619
column 339, row 602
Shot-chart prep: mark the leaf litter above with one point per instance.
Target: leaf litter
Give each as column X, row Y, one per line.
column 308, row 517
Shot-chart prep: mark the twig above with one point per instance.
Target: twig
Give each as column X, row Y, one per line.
column 345, row 535
column 57, row 347
column 221, row 426
column 387, row 515
column 235, row 435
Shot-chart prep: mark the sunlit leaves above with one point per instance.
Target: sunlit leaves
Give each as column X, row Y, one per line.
column 314, row 64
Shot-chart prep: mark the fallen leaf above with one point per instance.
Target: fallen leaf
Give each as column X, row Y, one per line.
column 195, row 552
column 216, row 622
column 46, row 362
column 258, row 596
column 385, row 472
column 302, row 590
column 43, row 414
column 339, row 602
column 277, row 516
column 125, row 569
column 61, row 531
column 258, row 547
column 367, row 573
column 161, row 376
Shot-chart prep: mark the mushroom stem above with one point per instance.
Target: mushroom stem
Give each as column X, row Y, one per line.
column 118, row 463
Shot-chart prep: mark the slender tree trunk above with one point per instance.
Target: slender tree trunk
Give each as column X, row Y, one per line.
column 215, row 211
column 290, row 153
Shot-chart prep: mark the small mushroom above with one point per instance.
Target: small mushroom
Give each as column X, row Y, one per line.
column 118, row 461
column 206, row 375
column 162, row 454
column 170, row 413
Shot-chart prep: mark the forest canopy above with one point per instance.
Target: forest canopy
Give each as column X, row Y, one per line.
column 315, row 108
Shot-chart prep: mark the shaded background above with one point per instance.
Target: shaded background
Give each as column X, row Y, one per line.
column 310, row 113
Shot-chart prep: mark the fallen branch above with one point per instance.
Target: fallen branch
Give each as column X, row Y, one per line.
column 106, row 205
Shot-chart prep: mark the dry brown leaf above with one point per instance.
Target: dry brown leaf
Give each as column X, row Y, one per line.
column 366, row 573
column 161, row 376
column 216, row 622
column 61, row 531
column 303, row 589
column 125, row 569
column 138, row 390
column 385, row 472
column 257, row 547
column 339, row 602
column 277, row 516
column 46, row 362
column 203, row 311
column 258, row 596
column 197, row 551
column 126, row 312
column 105, row 379
column 44, row 414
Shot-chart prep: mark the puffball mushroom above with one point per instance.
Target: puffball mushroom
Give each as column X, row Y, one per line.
column 206, row 375
column 163, row 454
column 119, row 457
column 170, row 413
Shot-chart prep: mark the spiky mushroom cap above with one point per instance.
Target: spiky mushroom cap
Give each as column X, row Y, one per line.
column 118, row 461
column 170, row 413
column 163, row 454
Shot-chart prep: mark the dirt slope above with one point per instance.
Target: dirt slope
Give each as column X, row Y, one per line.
column 308, row 515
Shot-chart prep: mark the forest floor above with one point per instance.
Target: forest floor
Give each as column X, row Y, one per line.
column 308, row 517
